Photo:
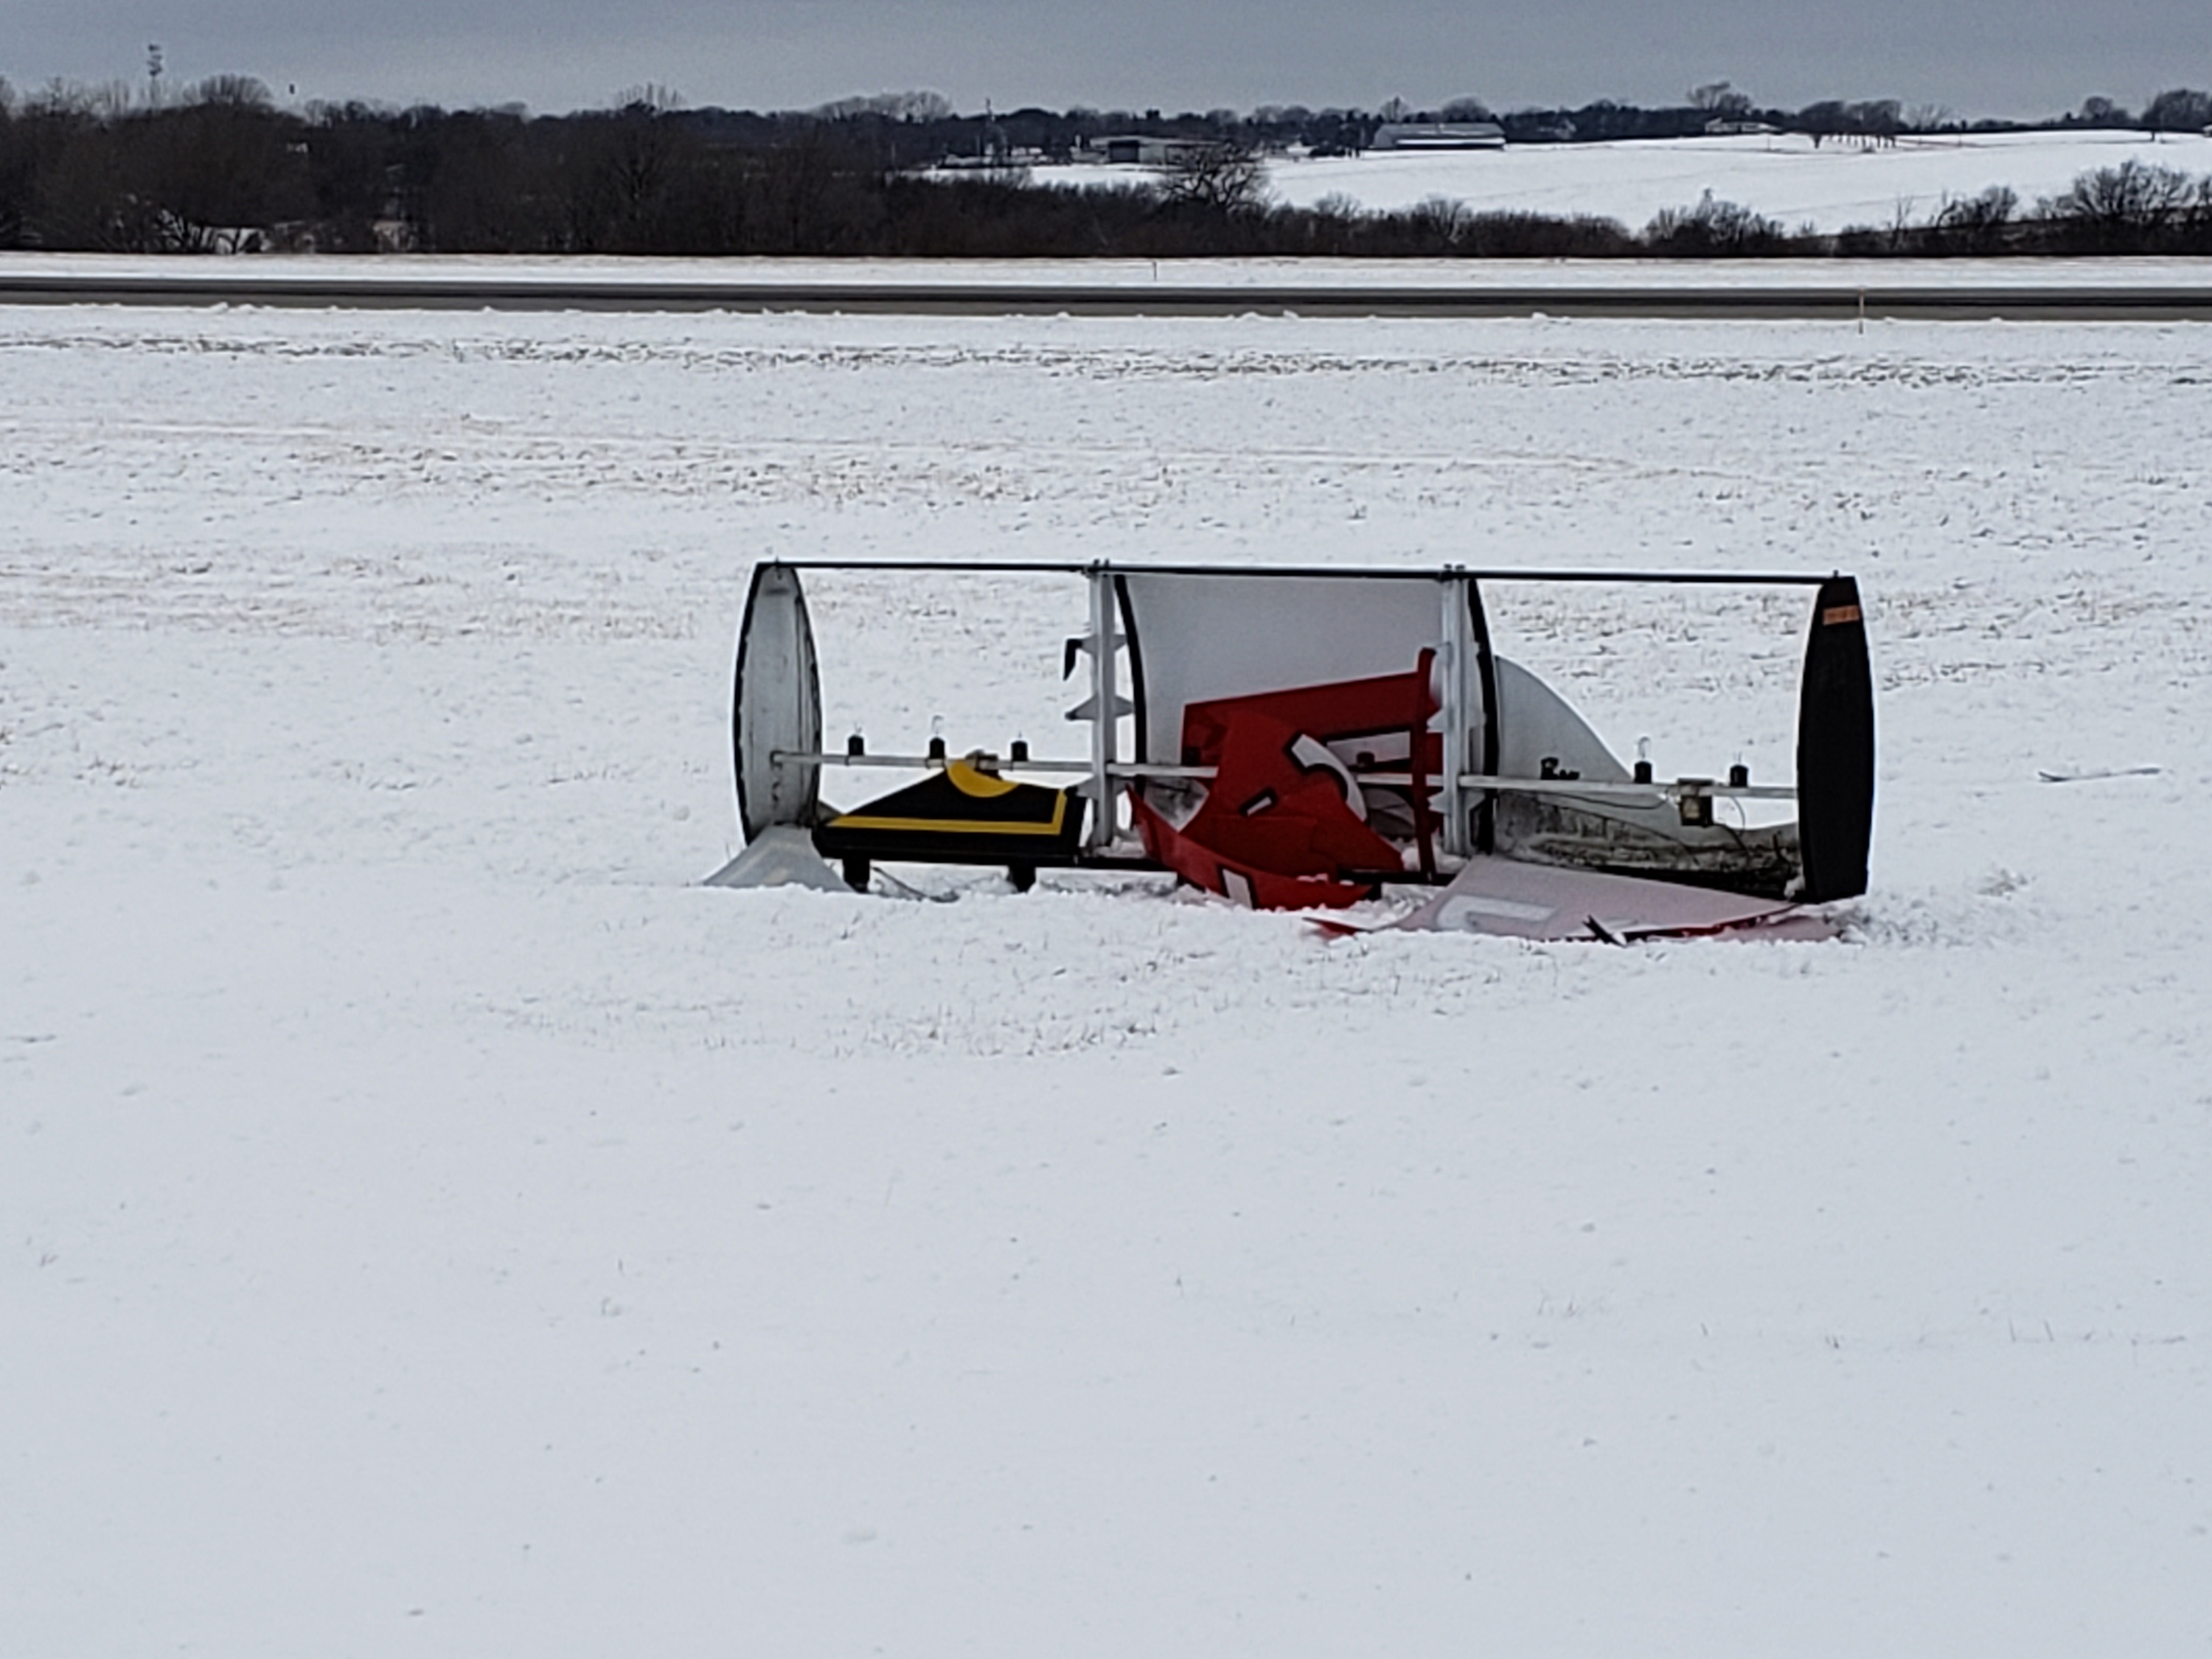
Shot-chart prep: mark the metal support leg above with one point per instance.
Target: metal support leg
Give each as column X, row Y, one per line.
column 1105, row 716
column 1455, row 657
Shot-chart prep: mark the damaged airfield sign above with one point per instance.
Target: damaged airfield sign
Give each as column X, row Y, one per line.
column 1296, row 738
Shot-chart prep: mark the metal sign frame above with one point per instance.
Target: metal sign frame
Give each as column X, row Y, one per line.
column 1835, row 715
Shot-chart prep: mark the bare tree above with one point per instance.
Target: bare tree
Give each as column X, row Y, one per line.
column 2128, row 198
column 18, row 168
column 1878, row 118
column 651, row 98
column 2180, row 109
column 1978, row 223
column 232, row 92
column 1441, row 220
column 1218, row 174
column 889, row 105
column 1712, row 228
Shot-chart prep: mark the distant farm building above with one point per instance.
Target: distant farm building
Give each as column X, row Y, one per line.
column 1143, row 150
column 1438, row 134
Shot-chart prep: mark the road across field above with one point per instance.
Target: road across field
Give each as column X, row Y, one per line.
column 476, row 289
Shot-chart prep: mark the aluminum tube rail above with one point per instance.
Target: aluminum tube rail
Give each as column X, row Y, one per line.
column 1366, row 572
column 1669, row 788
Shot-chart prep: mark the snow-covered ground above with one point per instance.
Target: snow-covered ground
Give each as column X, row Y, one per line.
column 1783, row 176
column 435, row 1226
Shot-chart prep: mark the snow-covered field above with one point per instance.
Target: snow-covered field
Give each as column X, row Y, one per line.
column 1783, row 176
column 435, row 1226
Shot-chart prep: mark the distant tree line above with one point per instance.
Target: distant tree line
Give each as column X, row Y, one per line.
column 220, row 167
column 2133, row 208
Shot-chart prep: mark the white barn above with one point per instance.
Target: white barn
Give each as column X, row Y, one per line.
column 1438, row 134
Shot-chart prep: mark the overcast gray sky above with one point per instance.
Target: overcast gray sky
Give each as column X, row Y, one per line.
column 1997, row 57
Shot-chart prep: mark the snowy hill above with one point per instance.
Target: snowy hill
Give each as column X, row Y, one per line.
column 1783, row 176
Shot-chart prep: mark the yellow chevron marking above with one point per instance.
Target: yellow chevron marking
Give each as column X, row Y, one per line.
column 958, row 826
column 981, row 785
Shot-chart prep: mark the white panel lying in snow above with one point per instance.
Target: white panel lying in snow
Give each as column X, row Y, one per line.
column 1534, row 901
